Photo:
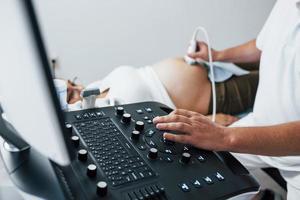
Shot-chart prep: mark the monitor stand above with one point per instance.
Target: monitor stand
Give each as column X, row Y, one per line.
column 30, row 171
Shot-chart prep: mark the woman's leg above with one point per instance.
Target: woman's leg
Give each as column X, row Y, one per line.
column 237, row 94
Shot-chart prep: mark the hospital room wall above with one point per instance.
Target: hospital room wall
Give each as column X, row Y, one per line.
column 90, row 38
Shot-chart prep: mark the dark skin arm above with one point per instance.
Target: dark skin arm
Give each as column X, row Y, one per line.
column 199, row 131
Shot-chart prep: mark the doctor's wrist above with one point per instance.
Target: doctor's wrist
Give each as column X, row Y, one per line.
column 231, row 141
column 218, row 56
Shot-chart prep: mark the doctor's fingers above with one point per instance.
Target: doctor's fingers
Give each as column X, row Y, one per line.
column 172, row 118
column 177, row 138
column 184, row 112
column 193, row 116
column 175, row 126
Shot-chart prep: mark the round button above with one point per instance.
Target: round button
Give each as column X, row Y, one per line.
column 153, row 152
column 168, row 159
column 75, row 140
column 120, row 110
column 91, row 170
column 82, row 155
column 126, row 118
column 135, row 135
column 142, row 147
column 102, row 188
column 139, row 125
column 186, row 157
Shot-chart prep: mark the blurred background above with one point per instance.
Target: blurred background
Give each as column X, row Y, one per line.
column 90, row 38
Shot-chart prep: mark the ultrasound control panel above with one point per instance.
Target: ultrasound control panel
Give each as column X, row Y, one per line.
column 121, row 155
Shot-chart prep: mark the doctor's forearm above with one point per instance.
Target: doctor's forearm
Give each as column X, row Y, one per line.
column 278, row 140
column 245, row 53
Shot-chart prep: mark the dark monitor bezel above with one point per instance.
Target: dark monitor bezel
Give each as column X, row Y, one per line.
column 37, row 38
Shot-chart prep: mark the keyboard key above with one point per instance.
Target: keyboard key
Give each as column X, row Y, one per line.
column 139, row 111
column 219, row 176
column 149, row 110
column 196, row 183
column 168, row 151
column 201, row 158
column 150, row 133
column 78, row 117
column 208, row 180
column 99, row 114
column 92, row 114
column 168, row 159
column 184, row 187
column 142, row 147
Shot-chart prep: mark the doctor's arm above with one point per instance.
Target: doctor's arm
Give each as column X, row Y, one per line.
column 199, row 131
column 243, row 55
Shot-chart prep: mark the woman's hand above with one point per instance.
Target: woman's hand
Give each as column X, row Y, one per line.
column 195, row 129
column 202, row 52
column 74, row 91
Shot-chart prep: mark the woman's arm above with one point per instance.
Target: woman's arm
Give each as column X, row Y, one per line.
column 199, row 131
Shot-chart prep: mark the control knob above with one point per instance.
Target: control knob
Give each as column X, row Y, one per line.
column 69, row 128
column 120, row 110
column 82, row 155
column 75, row 140
column 102, row 188
column 185, row 158
column 139, row 125
column 135, row 135
column 126, row 118
column 153, row 152
column 91, row 170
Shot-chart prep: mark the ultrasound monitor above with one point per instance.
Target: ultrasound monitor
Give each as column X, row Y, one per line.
column 28, row 96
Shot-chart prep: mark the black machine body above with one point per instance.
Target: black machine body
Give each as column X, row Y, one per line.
column 135, row 162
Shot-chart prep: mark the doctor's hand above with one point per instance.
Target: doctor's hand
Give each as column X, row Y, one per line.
column 202, row 52
column 195, row 129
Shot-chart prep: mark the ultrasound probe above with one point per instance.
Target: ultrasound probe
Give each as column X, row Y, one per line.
column 192, row 49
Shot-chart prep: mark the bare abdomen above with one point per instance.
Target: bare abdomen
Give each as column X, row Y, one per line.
column 188, row 86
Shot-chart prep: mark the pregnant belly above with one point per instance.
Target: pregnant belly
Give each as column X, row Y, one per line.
column 188, row 86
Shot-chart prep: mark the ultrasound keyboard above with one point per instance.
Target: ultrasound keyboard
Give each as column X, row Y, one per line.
column 121, row 155
column 116, row 157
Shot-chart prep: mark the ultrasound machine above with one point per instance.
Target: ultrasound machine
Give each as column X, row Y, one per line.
column 109, row 153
